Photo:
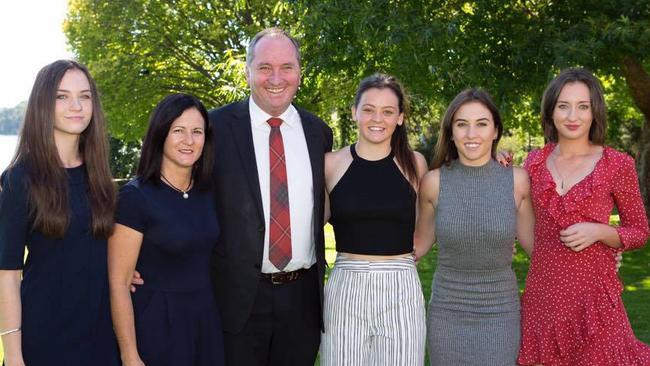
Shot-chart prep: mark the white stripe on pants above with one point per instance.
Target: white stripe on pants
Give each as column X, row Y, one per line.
column 374, row 314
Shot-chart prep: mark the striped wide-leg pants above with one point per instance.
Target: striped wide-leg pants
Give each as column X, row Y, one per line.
column 374, row 314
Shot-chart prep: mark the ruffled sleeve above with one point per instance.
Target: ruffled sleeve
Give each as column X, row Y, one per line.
column 633, row 231
column 14, row 218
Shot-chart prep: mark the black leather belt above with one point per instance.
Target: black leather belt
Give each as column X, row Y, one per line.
column 279, row 278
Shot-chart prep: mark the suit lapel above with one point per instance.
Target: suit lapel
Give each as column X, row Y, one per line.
column 316, row 154
column 242, row 134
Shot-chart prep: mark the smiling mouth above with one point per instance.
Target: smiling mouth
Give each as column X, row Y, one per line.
column 275, row 90
column 572, row 127
column 376, row 129
column 472, row 145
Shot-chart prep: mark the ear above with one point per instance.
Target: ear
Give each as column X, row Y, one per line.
column 400, row 119
column 353, row 110
column 247, row 73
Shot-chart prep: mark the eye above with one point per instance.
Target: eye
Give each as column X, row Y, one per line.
column 198, row 131
column 389, row 112
column 61, row 96
column 264, row 68
column 287, row 67
column 584, row 107
column 367, row 110
column 85, row 96
column 562, row 106
column 461, row 124
column 482, row 124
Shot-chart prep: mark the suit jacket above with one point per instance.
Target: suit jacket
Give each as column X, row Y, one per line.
column 237, row 259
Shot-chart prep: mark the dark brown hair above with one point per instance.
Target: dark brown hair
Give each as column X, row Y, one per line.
column 445, row 151
column 270, row 32
column 47, row 179
column 162, row 117
column 598, row 129
column 399, row 142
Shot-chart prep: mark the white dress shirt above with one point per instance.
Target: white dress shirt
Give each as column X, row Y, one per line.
column 299, row 182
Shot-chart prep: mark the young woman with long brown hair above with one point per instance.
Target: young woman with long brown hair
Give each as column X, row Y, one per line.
column 374, row 308
column 57, row 200
column 474, row 209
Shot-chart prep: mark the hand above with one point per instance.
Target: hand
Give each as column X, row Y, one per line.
column 580, row 236
column 504, row 158
column 136, row 280
column 618, row 257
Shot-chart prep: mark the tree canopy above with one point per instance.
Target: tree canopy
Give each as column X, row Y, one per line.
column 141, row 50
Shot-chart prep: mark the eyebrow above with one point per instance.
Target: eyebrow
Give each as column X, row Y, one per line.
column 372, row 105
column 480, row 119
column 580, row 101
column 68, row 91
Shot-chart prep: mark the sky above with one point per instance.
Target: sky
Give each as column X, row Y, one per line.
column 31, row 36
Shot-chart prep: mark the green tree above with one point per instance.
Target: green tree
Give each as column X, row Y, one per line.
column 510, row 48
column 141, row 50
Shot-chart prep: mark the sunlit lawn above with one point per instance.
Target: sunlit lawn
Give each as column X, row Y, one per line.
column 635, row 273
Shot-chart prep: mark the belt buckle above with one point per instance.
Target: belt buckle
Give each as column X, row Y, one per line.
column 276, row 280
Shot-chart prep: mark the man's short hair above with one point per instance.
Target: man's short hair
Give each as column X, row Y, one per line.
column 270, row 32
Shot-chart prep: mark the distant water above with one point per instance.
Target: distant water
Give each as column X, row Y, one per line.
column 7, row 149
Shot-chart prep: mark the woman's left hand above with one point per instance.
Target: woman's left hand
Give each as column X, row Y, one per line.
column 580, row 236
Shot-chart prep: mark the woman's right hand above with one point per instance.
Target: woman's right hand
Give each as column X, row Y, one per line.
column 504, row 158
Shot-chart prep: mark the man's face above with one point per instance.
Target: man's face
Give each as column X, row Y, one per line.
column 274, row 74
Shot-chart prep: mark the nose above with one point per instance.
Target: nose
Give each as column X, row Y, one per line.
column 188, row 138
column 274, row 78
column 75, row 104
column 573, row 114
column 471, row 131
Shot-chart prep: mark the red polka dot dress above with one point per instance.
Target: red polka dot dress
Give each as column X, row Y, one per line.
column 572, row 312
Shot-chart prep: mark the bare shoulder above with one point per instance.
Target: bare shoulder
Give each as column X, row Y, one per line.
column 420, row 163
column 430, row 184
column 336, row 163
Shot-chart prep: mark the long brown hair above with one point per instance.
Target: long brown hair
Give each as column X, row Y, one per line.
column 598, row 129
column 445, row 151
column 47, row 180
column 399, row 141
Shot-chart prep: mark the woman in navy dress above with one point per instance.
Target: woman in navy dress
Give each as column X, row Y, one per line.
column 166, row 228
column 57, row 200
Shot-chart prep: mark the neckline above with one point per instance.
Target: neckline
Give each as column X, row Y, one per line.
column 355, row 156
column 475, row 171
column 581, row 181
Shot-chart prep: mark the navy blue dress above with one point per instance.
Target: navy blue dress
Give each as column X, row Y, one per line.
column 64, row 293
column 176, row 316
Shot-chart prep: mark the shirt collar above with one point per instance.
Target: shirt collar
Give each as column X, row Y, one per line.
column 259, row 117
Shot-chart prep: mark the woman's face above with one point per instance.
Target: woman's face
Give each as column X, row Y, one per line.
column 73, row 107
column 572, row 115
column 185, row 139
column 377, row 115
column 473, row 133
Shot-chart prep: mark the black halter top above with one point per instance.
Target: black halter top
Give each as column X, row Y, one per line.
column 373, row 208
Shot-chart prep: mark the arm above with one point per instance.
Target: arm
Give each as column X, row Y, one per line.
column 525, row 213
column 10, row 316
column 14, row 226
column 633, row 231
column 123, row 250
column 425, row 227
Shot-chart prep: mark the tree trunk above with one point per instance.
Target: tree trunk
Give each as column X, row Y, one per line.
column 638, row 81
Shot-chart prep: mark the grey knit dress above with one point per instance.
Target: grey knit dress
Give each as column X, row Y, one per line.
column 473, row 314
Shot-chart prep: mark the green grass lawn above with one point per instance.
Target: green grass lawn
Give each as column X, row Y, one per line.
column 635, row 273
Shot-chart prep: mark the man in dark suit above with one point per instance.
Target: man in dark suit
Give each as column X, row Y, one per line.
column 269, row 264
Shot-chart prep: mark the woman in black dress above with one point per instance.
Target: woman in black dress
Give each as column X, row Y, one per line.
column 57, row 200
column 166, row 228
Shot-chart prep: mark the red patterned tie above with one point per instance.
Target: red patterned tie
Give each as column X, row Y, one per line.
column 280, row 230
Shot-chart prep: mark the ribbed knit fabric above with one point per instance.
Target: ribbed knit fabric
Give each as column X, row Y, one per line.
column 474, row 309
